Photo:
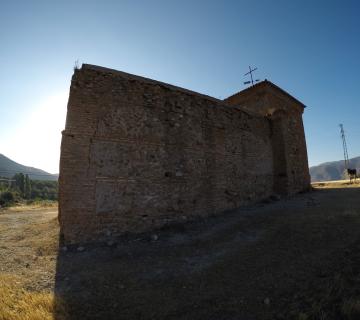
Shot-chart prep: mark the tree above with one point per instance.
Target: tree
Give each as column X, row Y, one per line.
column 27, row 187
column 20, row 182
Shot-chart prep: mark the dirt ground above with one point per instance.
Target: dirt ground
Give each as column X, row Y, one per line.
column 29, row 246
column 297, row 258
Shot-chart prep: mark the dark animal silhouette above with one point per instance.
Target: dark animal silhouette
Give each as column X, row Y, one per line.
column 352, row 174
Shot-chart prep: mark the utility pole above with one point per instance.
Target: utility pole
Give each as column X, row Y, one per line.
column 346, row 156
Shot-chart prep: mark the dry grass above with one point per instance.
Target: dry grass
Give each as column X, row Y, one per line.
column 23, row 207
column 29, row 244
column 19, row 304
column 43, row 237
column 336, row 184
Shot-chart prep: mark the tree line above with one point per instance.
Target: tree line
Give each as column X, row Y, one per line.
column 24, row 188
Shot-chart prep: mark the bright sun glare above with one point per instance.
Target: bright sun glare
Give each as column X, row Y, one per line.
column 36, row 139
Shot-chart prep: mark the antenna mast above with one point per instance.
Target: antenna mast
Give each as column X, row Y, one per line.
column 346, row 156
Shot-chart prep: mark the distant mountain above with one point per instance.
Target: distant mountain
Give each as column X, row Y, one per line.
column 332, row 170
column 9, row 167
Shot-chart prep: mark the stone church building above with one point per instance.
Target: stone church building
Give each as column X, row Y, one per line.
column 137, row 154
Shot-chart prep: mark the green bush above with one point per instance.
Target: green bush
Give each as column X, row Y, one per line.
column 6, row 198
column 45, row 190
column 23, row 188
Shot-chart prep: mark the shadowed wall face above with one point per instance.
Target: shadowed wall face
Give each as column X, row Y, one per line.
column 137, row 154
column 290, row 162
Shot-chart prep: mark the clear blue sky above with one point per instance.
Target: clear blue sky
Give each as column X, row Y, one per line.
column 309, row 48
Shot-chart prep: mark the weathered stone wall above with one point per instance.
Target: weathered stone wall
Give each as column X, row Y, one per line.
column 290, row 171
column 137, row 154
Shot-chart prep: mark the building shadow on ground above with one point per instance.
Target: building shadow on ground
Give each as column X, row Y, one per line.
column 259, row 262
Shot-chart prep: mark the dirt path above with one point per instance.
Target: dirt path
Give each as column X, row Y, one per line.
column 290, row 259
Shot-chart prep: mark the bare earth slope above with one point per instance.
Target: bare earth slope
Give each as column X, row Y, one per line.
column 290, row 259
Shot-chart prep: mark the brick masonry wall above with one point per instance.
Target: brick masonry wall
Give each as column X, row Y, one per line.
column 137, row 154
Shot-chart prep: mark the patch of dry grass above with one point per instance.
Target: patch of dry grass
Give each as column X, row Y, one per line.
column 23, row 207
column 43, row 237
column 336, row 184
column 19, row 304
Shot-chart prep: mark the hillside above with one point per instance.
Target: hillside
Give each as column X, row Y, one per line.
column 9, row 167
column 332, row 170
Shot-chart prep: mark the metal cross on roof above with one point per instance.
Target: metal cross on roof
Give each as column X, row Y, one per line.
column 251, row 76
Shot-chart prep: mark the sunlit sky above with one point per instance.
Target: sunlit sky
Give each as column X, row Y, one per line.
column 309, row 48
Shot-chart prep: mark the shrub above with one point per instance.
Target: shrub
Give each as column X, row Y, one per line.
column 6, row 198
